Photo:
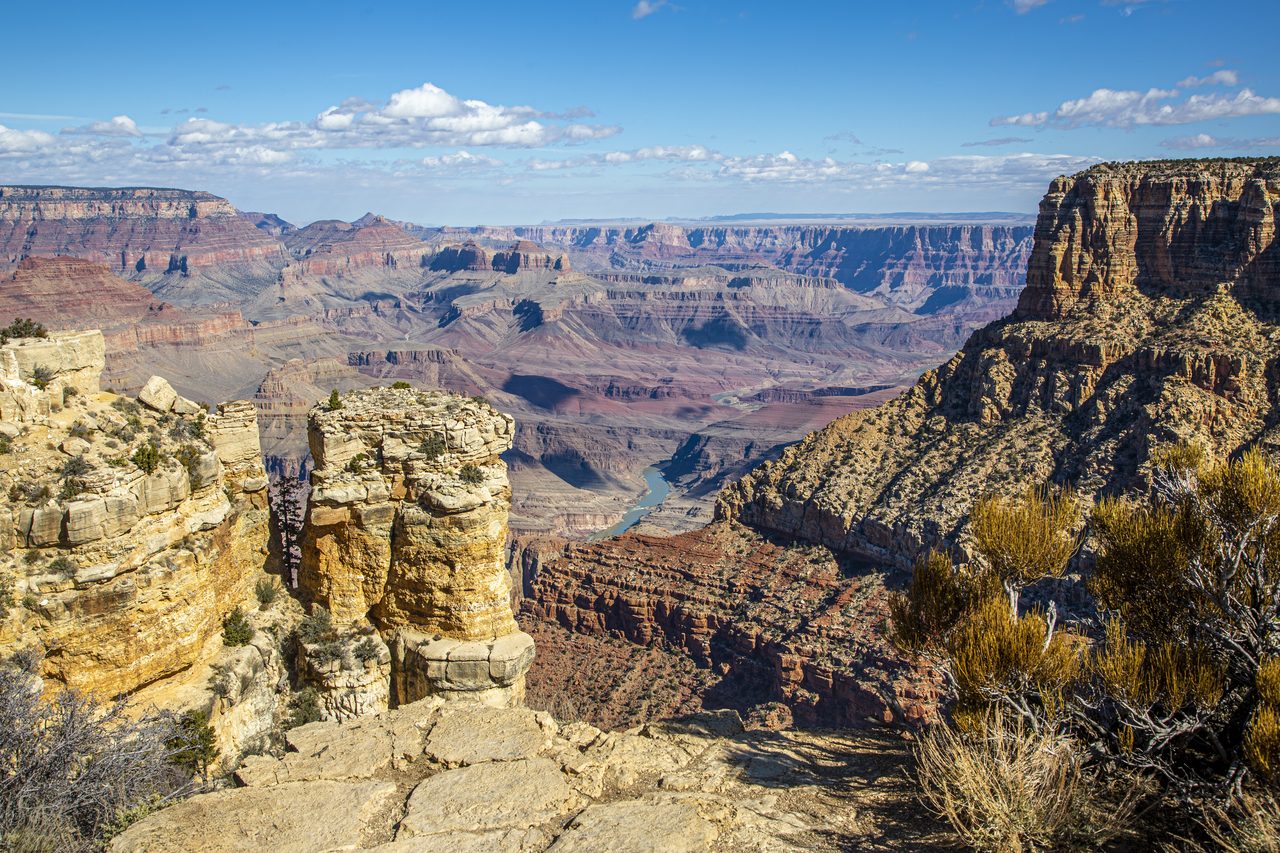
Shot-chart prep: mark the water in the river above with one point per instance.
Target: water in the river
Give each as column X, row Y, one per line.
column 659, row 488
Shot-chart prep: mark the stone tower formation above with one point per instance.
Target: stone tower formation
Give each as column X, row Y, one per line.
column 405, row 534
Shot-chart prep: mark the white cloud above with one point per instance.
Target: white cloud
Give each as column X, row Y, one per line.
column 115, row 126
column 645, row 8
column 1124, row 108
column 426, row 101
column 1022, row 7
column 22, row 141
column 1217, row 78
column 915, row 167
column 461, row 160
column 1204, row 140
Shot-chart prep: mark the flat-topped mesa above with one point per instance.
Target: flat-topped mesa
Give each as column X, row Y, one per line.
column 1151, row 316
column 129, row 529
column 407, row 527
column 523, row 255
column 527, row 255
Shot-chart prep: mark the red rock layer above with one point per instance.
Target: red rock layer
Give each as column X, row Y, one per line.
column 168, row 238
column 70, row 293
column 771, row 623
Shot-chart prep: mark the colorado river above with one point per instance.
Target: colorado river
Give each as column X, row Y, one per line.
column 659, row 488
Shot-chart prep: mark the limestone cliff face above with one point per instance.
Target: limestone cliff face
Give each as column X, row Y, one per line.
column 1149, row 316
column 120, row 568
column 407, row 526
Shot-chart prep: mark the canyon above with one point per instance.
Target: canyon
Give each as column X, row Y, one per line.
column 480, row 684
column 702, row 350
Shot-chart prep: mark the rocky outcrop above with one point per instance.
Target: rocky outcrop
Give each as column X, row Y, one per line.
column 457, row 777
column 1149, row 317
column 406, row 526
column 191, row 247
column 129, row 531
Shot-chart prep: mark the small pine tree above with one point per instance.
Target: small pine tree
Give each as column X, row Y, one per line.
column 236, row 630
column 335, row 402
column 193, row 746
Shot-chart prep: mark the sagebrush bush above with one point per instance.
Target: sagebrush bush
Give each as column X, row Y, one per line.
column 266, row 591
column 1005, row 787
column 471, row 475
column 316, row 627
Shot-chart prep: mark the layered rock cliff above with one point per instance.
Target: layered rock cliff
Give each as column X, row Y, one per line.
column 407, row 527
column 1149, row 317
column 922, row 268
column 129, row 530
column 188, row 246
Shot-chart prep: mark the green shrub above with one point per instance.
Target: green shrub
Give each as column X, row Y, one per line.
column 365, row 650
column 471, row 475
column 236, row 630
column 21, row 328
column 356, row 463
column 71, row 487
column 316, row 627
column 6, row 444
column 327, row 652
column 266, row 591
column 433, row 447
column 193, row 747
column 41, row 376
column 79, row 430
column 147, row 458
column 62, row 566
column 335, row 402
column 76, row 466
column 401, row 385
column 189, row 456
column 305, row 708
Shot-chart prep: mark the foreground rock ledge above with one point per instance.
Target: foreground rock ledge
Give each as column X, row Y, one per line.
column 462, row 776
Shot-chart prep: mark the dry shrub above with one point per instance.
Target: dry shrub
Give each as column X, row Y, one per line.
column 1253, row 826
column 1005, row 787
column 1026, row 538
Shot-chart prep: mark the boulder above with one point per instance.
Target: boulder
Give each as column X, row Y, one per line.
column 158, row 394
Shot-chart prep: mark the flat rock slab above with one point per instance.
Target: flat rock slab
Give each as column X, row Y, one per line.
column 296, row 817
column 357, row 750
column 637, row 826
column 472, row 734
column 497, row 841
column 484, row 797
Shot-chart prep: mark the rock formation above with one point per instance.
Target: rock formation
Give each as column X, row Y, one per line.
column 191, row 247
column 435, row 777
column 1149, row 317
column 407, row 526
column 129, row 530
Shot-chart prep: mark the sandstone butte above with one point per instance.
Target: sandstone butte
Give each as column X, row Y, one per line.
column 1150, row 316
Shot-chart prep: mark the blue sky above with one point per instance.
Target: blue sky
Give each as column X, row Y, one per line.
column 466, row 113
